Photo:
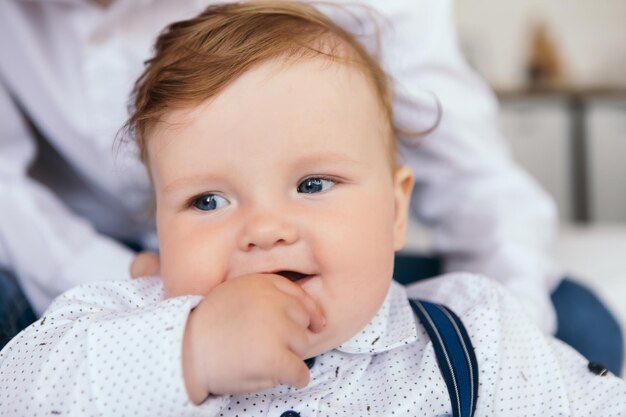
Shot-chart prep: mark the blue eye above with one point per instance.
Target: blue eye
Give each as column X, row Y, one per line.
column 209, row 202
column 315, row 185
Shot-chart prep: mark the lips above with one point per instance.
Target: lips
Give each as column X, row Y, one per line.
column 293, row 276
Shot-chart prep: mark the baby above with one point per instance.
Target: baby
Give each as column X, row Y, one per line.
column 278, row 196
column 268, row 134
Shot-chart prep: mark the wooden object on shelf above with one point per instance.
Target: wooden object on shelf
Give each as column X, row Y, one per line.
column 545, row 68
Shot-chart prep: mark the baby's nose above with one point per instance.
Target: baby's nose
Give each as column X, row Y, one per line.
column 266, row 230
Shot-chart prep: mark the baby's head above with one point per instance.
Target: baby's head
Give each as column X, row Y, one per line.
column 196, row 59
column 268, row 136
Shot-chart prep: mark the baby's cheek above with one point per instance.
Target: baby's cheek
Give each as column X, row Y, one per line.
column 187, row 269
column 179, row 279
column 171, row 287
column 179, row 285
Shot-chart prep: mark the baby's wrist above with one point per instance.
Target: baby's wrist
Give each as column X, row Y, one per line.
column 197, row 389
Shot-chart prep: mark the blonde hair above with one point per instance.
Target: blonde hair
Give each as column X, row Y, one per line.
column 196, row 59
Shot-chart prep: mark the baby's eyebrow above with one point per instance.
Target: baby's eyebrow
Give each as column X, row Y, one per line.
column 187, row 181
column 331, row 157
column 307, row 160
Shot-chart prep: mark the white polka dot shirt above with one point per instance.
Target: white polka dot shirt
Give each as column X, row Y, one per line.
column 114, row 349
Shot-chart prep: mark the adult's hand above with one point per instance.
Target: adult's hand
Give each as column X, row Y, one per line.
column 145, row 263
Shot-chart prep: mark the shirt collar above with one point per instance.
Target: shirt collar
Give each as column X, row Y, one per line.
column 392, row 326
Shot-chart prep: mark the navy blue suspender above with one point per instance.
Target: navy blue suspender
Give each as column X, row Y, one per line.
column 455, row 354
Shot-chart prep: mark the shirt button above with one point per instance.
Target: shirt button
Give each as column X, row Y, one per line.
column 597, row 368
column 310, row 362
column 290, row 413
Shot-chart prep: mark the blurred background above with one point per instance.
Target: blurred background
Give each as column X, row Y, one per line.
column 559, row 70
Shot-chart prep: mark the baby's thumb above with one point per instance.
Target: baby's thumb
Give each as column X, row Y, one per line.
column 144, row 264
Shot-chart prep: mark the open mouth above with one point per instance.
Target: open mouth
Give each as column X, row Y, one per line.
column 292, row 275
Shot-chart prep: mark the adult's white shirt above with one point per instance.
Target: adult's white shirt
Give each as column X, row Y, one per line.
column 67, row 201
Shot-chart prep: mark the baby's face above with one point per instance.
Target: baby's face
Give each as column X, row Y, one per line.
column 285, row 170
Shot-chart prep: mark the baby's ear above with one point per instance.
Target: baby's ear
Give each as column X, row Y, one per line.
column 402, row 187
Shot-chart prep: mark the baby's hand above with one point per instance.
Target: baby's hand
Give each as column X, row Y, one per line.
column 249, row 333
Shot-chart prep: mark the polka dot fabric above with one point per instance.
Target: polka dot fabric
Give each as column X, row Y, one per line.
column 110, row 348
column 114, row 349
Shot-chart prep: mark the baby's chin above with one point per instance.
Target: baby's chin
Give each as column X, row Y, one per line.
column 322, row 344
column 327, row 340
column 338, row 330
column 332, row 336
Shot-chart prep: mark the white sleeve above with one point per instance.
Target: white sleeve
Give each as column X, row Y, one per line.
column 486, row 214
column 542, row 368
column 522, row 371
column 107, row 348
column 49, row 248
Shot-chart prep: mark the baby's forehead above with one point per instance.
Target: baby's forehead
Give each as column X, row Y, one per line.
column 307, row 105
column 318, row 85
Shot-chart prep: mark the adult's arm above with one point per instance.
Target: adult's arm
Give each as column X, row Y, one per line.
column 486, row 214
column 104, row 348
column 48, row 248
